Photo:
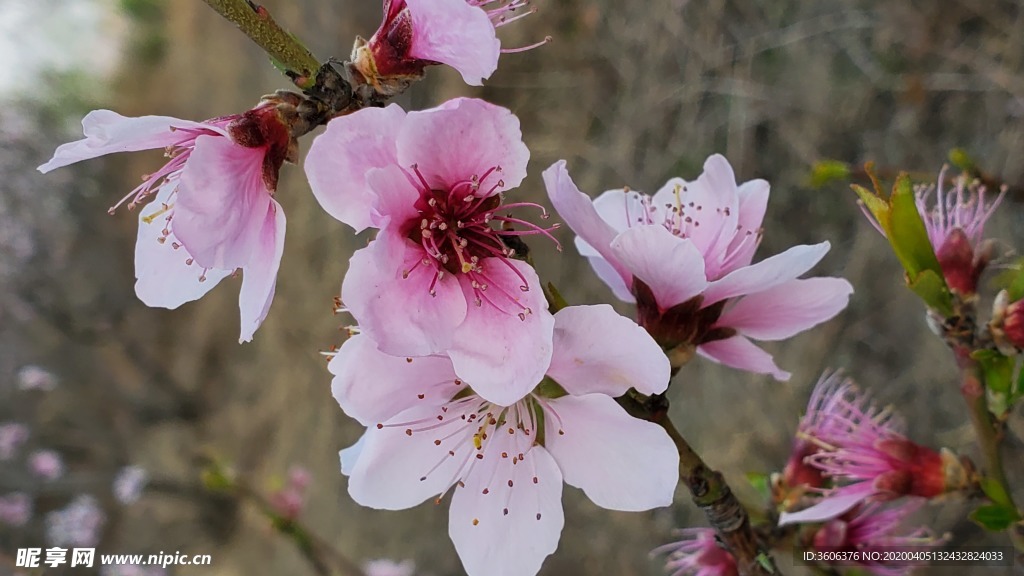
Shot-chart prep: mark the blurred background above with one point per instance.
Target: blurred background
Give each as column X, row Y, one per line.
column 114, row 407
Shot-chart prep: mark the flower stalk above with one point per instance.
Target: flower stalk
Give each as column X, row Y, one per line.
column 709, row 491
column 288, row 54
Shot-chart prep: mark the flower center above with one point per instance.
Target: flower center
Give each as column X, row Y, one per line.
column 454, row 229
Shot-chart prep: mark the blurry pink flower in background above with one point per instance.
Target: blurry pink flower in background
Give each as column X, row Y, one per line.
column 289, row 500
column 212, row 210
column 129, row 484
column 418, row 33
column 15, row 509
column 12, row 436
column 389, row 568
column 33, row 377
column 697, row 553
column 438, row 278
column 46, row 464
column 429, row 431
column 863, row 452
column 874, row 527
column 684, row 256
column 78, row 524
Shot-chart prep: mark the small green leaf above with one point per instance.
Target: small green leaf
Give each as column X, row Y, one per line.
column 1015, row 290
column 554, row 297
column 931, row 288
column 995, row 492
column 994, row 517
column 875, row 204
column 962, row 160
column 766, row 562
column 827, row 171
column 761, row 483
column 907, row 234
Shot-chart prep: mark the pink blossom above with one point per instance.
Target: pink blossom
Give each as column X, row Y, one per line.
column 697, row 553
column 428, row 430
column 872, row 527
column 129, row 484
column 389, row 568
column 863, row 452
column 211, row 210
column 956, row 225
column 684, row 256
column 438, row 278
column 417, row 33
column 33, row 377
column 46, row 464
column 12, row 436
column 15, row 509
column 290, row 499
column 76, row 525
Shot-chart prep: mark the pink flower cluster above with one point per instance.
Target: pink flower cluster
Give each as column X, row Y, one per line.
column 464, row 379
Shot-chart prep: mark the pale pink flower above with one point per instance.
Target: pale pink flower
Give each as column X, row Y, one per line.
column 129, row 484
column 33, row 377
column 428, row 431
column 12, row 436
column 418, row 33
column 697, row 553
column 46, row 464
column 79, row 524
column 438, row 278
column 15, row 509
column 862, row 451
column 211, row 210
column 874, row 528
column 389, row 568
column 684, row 256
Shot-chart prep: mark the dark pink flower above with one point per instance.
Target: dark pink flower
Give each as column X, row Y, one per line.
column 210, row 209
column 697, row 553
column 875, row 528
column 418, row 33
column 684, row 256
column 861, row 450
column 438, row 278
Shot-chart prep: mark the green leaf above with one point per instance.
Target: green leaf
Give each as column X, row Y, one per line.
column 554, row 298
column 828, row 171
column 1015, row 290
column 931, row 288
column 994, row 517
column 908, row 235
column 962, row 160
column 761, row 483
column 996, row 493
column 997, row 370
column 875, row 204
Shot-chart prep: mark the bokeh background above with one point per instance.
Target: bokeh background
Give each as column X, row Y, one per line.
column 630, row 93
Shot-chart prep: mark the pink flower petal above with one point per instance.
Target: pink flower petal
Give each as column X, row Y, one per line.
column 259, row 277
column 788, row 309
column 607, row 274
column 392, row 470
column 108, row 132
column 373, row 387
column 340, row 158
column 830, row 506
column 578, row 211
column 753, row 203
column 623, row 209
column 767, row 273
column 585, row 360
column 394, row 195
column 221, row 203
column 620, row 462
column 493, row 543
column 738, row 352
column 463, row 138
column 671, row 267
column 396, row 310
column 164, row 279
column 455, row 33
column 502, row 356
